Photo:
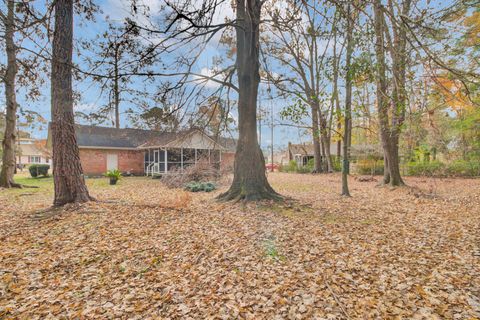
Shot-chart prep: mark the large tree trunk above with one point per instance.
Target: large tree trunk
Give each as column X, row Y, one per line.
column 250, row 181
column 8, row 144
column 389, row 136
column 67, row 170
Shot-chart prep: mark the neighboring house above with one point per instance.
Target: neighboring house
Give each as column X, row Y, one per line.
column 147, row 152
column 31, row 151
column 302, row 153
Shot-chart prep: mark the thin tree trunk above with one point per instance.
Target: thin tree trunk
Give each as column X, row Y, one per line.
column 335, row 97
column 317, row 148
column 250, row 181
column 348, row 106
column 116, row 91
column 8, row 143
column 67, row 170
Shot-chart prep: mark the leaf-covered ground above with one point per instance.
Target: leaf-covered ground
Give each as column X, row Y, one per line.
column 147, row 252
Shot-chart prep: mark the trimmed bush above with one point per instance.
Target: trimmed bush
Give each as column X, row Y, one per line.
column 39, row 170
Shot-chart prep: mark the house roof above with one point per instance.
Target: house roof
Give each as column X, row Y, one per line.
column 164, row 138
column 106, row 137
column 302, row 149
column 30, row 150
column 127, row 138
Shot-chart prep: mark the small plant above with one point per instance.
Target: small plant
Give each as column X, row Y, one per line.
column 39, row 170
column 114, row 176
column 200, row 186
column 271, row 250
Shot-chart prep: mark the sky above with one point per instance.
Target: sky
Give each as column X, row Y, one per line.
column 91, row 98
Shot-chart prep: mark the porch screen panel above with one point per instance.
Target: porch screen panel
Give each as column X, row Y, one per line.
column 202, row 155
column 188, row 157
column 174, row 159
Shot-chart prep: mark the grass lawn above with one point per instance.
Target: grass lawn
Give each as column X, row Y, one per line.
column 143, row 251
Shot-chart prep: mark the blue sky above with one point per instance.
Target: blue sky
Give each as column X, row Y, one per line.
column 91, row 99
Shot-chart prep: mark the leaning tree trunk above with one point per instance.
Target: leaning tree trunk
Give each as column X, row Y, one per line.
column 250, row 181
column 8, row 144
column 67, row 170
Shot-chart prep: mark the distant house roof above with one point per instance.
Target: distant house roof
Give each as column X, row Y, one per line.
column 357, row 150
column 301, row 149
column 89, row 136
column 31, row 150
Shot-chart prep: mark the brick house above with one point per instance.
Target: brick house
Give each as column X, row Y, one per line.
column 147, row 152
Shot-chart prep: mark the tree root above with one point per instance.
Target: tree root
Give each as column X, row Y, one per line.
column 236, row 194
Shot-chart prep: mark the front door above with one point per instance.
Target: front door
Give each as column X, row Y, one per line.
column 112, row 161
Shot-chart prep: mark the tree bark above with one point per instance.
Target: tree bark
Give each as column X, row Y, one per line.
column 348, row 105
column 326, row 142
column 116, row 90
column 8, row 143
column 67, row 170
column 388, row 134
column 250, row 181
column 317, row 148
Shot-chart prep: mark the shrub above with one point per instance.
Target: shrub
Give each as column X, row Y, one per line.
column 200, row 186
column 39, row 170
column 433, row 168
column 290, row 167
column 463, row 168
column 369, row 167
column 203, row 171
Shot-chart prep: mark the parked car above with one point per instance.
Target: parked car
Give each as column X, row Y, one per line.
column 269, row 166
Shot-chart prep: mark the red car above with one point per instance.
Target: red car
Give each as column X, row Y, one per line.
column 269, row 166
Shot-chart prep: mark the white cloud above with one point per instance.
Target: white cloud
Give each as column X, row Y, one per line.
column 206, row 72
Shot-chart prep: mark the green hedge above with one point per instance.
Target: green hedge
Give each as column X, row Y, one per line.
column 464, row 168
column 434, row 168
column 39, row 170
column 459, row 168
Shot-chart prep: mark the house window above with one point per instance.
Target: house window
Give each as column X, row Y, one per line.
column 33, row 159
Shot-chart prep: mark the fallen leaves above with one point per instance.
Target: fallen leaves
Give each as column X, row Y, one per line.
column 147, row 252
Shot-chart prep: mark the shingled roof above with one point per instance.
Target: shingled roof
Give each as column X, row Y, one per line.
column 127, row 138
column 302, row 149
column 106, row 137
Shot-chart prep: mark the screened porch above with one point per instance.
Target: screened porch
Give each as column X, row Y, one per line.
column 160, row 161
